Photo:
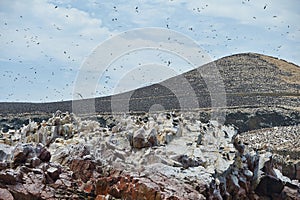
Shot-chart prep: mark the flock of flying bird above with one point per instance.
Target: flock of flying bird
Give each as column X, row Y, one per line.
column 34, row 74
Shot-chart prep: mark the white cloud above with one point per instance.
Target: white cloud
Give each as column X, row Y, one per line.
column 38, row 34
column 35, row 28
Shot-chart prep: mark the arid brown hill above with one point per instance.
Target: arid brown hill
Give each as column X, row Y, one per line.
column 250, row 80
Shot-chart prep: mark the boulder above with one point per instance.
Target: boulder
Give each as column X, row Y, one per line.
column 54, row 172
column 33, row 162
column 10, row 177
column 269, row 185
column 44, row 155
column 187, row 161
column 5, row 194
column 5, row 152
column 155, row 186
column 291, row 193
column 82, row 169
column 297, row 166
column 289, row 170
column 152, row 137
column 139, row 140
column 21, row 153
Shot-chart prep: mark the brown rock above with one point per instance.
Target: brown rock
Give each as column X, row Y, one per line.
column 297, row 166
column 291, row 193
column 27, row 153
column 20, row 192
column 127, row 188
column 101, row 197
column 269, row 168
column 241, row 194
column 297, row 175
column 152, row 187
column 20, row 153
column 152, row 138
column 139, row 140
column 83, row 169
column 54, row 172
column 5, row 194
column 44, row 155
column 102, row 186
column 232, row 184
column 33, row 162
column 10, row 177
column 289, row 170
column 88, row 187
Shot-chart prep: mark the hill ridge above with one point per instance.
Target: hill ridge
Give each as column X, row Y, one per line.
column 250, row 79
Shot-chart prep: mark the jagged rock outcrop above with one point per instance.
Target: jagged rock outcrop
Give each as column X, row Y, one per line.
column 152, row 156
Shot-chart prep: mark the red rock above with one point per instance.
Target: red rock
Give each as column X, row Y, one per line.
column 88, row 187
column 101, row 197
column 127, row 188
column 5, row 194
column 83, row 169
column 102, row 186
column 154, row 187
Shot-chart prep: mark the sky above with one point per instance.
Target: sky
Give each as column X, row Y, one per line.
column 45, row 44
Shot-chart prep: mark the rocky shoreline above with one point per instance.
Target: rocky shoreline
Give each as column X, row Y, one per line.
column 167, row 155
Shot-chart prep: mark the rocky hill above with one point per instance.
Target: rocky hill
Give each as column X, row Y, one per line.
column 260, row 92
column 250, row 80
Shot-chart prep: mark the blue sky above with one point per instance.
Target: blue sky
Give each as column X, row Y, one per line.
column 44, row 43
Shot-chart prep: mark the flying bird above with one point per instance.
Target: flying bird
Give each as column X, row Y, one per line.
column 79, row 95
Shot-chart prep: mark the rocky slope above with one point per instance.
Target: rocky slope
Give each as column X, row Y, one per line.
column 152, row 156
column 249, row 79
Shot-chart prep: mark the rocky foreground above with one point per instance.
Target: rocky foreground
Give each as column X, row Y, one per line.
column 151, row 156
